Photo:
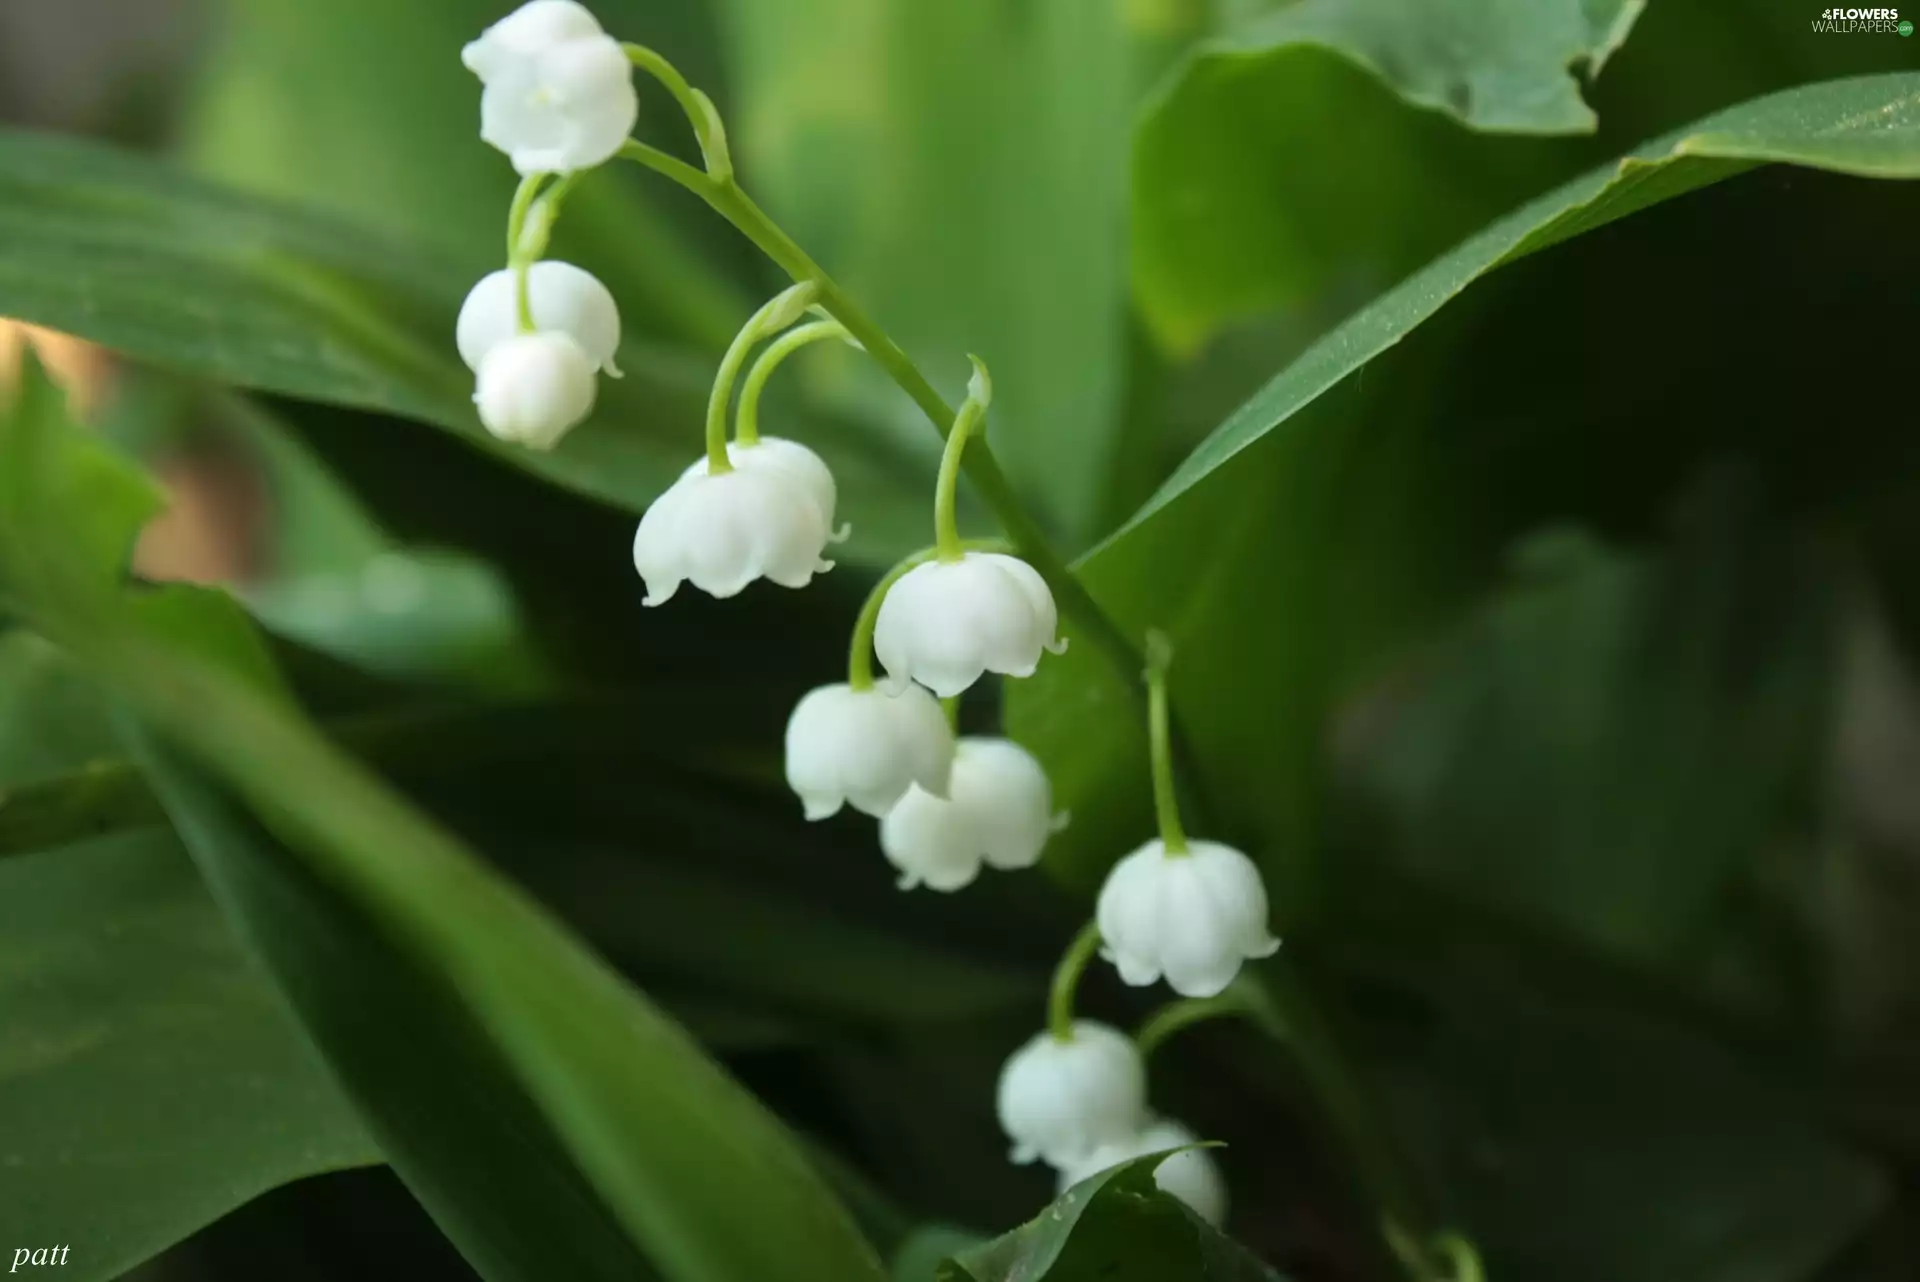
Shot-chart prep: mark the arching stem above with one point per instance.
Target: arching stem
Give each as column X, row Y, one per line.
column 779, row 311
column 1066, row 978
column 1240, row 1000
column 517, row 257
column 1166, row 802
column 946, row 530
column 746, row 427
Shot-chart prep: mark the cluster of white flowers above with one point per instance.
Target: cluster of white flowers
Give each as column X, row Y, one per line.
column 558, row 99
column 1079, row 1103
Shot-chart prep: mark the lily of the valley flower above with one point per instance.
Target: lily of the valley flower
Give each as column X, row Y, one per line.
column 532, row 388
column 865, row 748
column 721, row 532
column 562, row 299
column 948, row 621
column 791, row 461
column 998, row 810
column 559, row 92
column 1192, row 1175
column 1061, row 1099
column 1192, row 916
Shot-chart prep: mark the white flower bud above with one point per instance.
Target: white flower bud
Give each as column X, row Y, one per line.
column 998, row 810
column 866, row 748
column 533, row 387
column 946, row 622
column 1192, row 917
column 790, row 459
column 1062, row 1100
column 559, row 92
column 563, row 299
column 1192, row 1176
column 722, row 532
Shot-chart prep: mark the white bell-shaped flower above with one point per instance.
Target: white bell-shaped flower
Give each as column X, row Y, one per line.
column 1192, row 1176
column 533, row 388
column 1061, row 1100
column 559, row 92
column 946, row 622
column 865, row 748
column 563, row 299
column 1191, row 917
column 722, row 532
column 998, row 810
column 789, row 459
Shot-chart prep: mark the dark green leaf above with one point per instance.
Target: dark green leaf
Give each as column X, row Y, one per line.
column 1116, row 1226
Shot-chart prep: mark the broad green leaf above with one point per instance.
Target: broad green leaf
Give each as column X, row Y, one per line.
column 1868, row 126
column 548, row 1116
column 1495, row 64
column 238, row 290
column 1289, row 565
column 1318, row 153
column 962, row 169
column 363, row 108
column 151, row 1079
column 1116, row 1226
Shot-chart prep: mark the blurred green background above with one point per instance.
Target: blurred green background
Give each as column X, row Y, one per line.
column 1554, row 655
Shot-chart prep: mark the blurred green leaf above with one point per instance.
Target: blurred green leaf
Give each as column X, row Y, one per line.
column 1116, row 1226
column 1583, row 1143
column 1369, row 518
column 961, row 168
column 151, row 1080
column 547, row 1115
column 1601, row 749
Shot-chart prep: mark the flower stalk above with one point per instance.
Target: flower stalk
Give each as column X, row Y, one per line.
column 1066, row 979
column 1166, row 801
column 746, row 425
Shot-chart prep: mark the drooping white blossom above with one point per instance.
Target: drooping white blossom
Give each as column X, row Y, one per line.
column 946, row 622
column 998, row 810
column 1192, row 1176
column 558, row 92
column 562, row 298
column 533, row 388
column 1192, row 917
column 865, row 748
column 789, row 459
column 1061, row 1100
column 721, row 532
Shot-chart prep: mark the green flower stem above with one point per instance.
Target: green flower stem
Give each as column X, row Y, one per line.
column 517, row 257
column 733, row 204
column 1240, row 1000
column 1066, row 978
column 775, row 309
column 946, row 528
column 860, row 654
column 699, row 109
column 746, row 428
column 1166, row 803
column 951, row 706
column 860, row 657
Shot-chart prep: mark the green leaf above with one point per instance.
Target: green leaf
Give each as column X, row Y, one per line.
column 1248, row 196
column 1116, row 1226
column 1371, row 514
column 1494, row 64
column 548, row 1116
column 238, row 290
column 961, row 168
column 1585, row 1143
column 151, row 1080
